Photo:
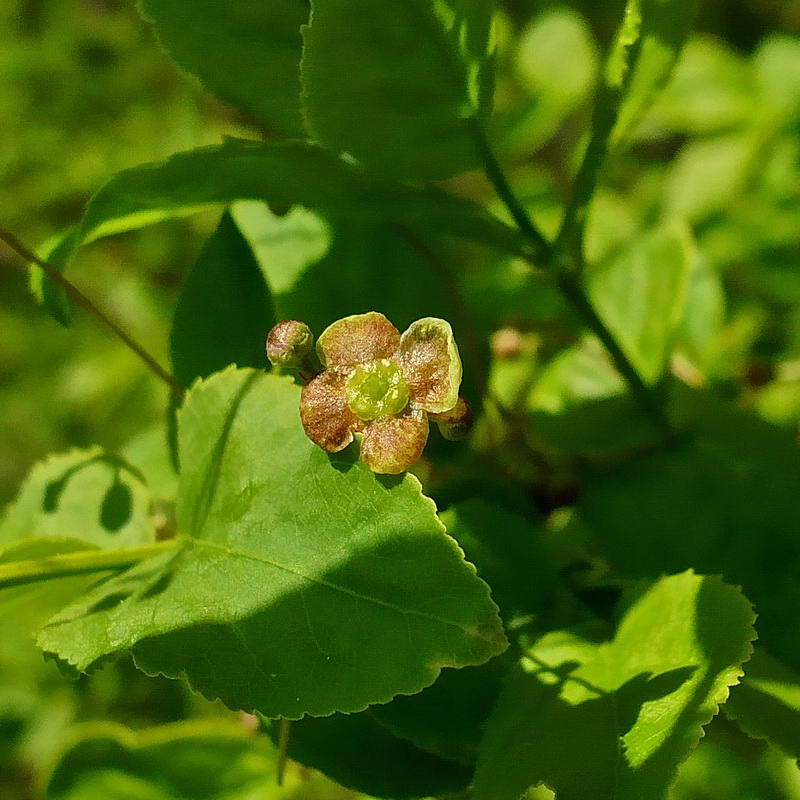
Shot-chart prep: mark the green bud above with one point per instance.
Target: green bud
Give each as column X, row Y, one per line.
column 289, row 343
column 377, row 389
column 456, row 423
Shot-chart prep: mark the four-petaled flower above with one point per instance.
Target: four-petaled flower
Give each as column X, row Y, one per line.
column 384, row 386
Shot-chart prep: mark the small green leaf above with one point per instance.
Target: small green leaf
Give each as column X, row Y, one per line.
column 614, row 720
column 665, row 26
column 402, row 116
column 84, row 495
column 224, row 310
column 215, row 760
column 641, row 296
column 360, row 753
column 248, row 53
column 296, row 574
column 767, row 703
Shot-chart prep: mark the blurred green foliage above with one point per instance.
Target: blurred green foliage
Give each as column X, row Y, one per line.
column 85, row 91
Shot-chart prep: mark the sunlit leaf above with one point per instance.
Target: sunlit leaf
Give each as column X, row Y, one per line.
column 281, row 544
column 615, row 720
column 407, row 117
column 246, row 52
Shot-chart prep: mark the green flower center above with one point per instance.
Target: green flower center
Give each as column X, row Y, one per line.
column 376, row 389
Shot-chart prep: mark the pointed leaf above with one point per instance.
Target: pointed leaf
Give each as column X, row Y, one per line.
column 248, row 53
column 286, row 173
column 407, row 117
column 224, row 309
column 297, row 572
column 596, row 722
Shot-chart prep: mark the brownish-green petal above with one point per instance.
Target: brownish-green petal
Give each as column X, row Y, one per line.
column 357, row 339
column 326, row 417
column 430, row 360
column 392, row 444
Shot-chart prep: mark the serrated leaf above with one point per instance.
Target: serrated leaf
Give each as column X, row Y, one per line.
column 766, row 704
column 224, row 310
column 723, row 501
column 641, row 295
column 665, row 26
column 247, row 53
column 295, row 575
column 406, row 117
column 214, row 760
column 596, row 722
column 286, row 173
column 358, row 752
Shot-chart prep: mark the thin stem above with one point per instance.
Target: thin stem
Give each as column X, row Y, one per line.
column 18, row 573
column 284, row 729
column 497, row 177
column 566, row 265
column 574, row 292
column 79, row 297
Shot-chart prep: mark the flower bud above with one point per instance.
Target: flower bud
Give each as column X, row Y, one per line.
column 289, row 343
column 456, row 423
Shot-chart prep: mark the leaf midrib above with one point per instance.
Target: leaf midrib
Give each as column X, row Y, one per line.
column 333, row 586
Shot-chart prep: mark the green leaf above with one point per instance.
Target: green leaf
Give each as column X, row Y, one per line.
column 665, row 26
column 447, row 718
column 402, row 116
column 509, row 554
column 767, row 703
column 556, row 62
column 84, row 495
column 358, row 752
column 248, row 53
column 296, row 574
column 224, row 310
column 641, row 296
column 723, row 501
column 286, row 173
column 302, row 253
column 214, row 760
column 615, row 720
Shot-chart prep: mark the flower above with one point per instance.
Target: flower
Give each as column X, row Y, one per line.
column 289, row 343
column 384, row 386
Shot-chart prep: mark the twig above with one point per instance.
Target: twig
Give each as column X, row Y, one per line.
column 79, row 297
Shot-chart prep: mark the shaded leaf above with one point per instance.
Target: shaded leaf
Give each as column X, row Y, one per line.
column 224, row 310
column 767, row 703
column 615, row 720
column 248, row 53
column 212, row 760
column 722, row 501
column 282, row 544
column 407, row 117
column 285, row 173
column 358, row 752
